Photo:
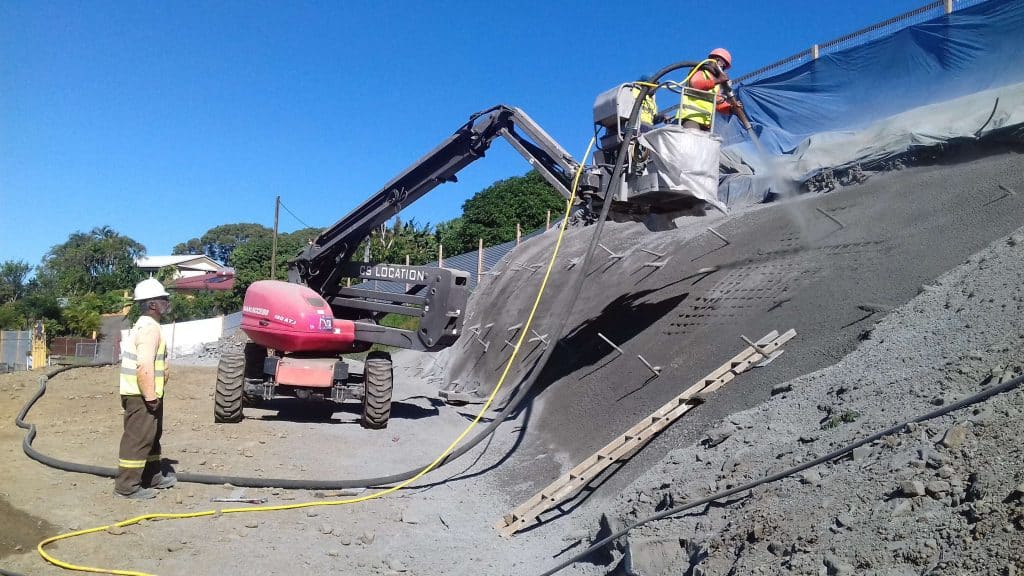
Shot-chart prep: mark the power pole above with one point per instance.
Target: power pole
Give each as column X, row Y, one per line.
column 273, row 249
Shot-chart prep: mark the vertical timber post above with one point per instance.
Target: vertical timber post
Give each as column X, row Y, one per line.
column 519, row 233
column 814, row 52
column 547, row 225
column 273, row 246
column 949, row 6
column 440, row 255
column 407, row 286
column 479, row 261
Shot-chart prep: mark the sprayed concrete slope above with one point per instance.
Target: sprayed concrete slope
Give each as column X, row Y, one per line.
column 786, row 266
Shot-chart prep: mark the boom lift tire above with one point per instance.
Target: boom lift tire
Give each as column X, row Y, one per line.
column 379, row 382
column 254, row 358
column 227, row 396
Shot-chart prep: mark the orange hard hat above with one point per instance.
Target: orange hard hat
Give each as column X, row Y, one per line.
column 723, row 54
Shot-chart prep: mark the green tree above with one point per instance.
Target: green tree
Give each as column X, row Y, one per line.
column 12, row 316
column 448, row 234
column 82, row 316
column 96, row 261
column 193, row 247
column 252, row 260
column 220, row 241
column 13, row 275
column 396, row 240
column 492, row 213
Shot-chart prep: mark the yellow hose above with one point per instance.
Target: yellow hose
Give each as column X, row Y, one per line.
column 508, row 366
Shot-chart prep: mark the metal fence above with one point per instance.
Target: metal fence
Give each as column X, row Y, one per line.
column 864, row 35
column 15, row 350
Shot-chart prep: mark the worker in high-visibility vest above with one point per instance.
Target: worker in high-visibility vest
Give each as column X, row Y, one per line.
column 696, row 111
column 648, row 108
column 143, row 375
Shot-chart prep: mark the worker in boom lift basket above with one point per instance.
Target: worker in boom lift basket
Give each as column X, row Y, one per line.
column 697, row 108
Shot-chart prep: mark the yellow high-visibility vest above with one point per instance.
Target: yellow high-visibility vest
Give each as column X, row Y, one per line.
column 130, row 361
column 698, row 105
column 648, row 108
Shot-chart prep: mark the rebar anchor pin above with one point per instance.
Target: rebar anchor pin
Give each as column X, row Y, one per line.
column 653, row 253
column 656, row 264
column 655, row 369
column 515, row 328
column 542, row 338
column 486, row 345
column 610, row 343
column 611, row 255
column 830, row 217
column 720, row 237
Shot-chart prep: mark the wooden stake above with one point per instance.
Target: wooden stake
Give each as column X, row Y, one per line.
column 479, row 260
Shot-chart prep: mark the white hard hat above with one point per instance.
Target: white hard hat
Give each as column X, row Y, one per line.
column 150, row 288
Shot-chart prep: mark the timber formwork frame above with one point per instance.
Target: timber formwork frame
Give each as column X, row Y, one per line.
column 623, row 447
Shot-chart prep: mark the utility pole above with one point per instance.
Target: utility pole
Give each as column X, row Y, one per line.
column 273, row 249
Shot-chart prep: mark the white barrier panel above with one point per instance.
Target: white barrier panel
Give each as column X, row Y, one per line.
column 185, row 338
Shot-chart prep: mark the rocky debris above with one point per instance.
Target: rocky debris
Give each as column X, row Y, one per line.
column 954, row 437
column 719, row 435
column 912, row 488
column 937, row 488
column 837, row 566
column 861, row 453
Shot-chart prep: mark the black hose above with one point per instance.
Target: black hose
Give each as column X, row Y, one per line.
column 513, row 404
column 979, row 397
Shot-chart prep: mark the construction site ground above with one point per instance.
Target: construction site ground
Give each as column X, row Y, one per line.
column 904, row 291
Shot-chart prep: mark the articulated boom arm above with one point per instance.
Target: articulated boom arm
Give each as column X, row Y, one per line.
column 320, row 265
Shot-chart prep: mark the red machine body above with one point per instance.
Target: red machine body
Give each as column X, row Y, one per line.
column 293, row 318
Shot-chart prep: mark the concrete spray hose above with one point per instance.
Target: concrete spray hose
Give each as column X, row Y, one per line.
column 513, row 405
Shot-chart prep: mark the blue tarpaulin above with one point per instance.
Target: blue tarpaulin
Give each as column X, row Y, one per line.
column 968, row 51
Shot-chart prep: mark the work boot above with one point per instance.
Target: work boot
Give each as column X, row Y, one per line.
column 162, row 481
column 140, row 494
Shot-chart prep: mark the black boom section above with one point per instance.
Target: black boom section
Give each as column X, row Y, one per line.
column 319, row 266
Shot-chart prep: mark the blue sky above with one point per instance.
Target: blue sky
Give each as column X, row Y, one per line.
column 163, row 120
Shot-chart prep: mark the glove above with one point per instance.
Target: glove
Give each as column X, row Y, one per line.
column 152, row 405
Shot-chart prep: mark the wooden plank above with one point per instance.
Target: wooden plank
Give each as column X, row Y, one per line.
column 637, row 436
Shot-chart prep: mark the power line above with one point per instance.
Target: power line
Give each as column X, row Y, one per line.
column 293, row 214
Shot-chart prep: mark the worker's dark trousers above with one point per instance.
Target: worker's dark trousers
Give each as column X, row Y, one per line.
column 139, row 456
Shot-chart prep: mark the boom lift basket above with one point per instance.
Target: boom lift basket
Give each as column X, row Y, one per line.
column 679, row 166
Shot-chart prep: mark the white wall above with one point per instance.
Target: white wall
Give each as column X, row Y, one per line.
column 184, row 338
